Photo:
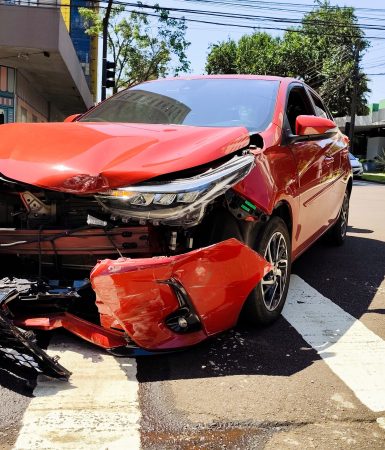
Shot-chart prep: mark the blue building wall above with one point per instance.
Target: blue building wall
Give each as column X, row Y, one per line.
column 81, row 41
column 7, row 94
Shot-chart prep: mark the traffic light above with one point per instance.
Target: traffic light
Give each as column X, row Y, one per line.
column 110, row 74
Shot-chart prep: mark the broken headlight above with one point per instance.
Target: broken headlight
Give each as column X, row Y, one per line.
column 179, row 202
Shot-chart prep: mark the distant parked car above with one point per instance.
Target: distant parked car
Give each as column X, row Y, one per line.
column 357, row 168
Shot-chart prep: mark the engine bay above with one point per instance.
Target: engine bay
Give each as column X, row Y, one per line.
column 59, row 249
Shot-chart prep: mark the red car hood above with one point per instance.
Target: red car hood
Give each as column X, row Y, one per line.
column 88, row 157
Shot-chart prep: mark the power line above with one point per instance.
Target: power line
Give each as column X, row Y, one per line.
column 296, row 7
column 257, row 3
column 315, row 72
column 253, row 17
column 356, row 27
column 254, row 27
column 372, row 58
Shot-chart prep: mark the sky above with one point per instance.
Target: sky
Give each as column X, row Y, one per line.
column 202, row 35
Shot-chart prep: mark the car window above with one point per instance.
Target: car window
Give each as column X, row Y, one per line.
column 320, row 109
column 209, row 102
column 298, row 104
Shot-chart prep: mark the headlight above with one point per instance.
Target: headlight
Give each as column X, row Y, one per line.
column 181, row 201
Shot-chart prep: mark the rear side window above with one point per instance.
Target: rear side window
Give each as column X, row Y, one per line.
column 320, row 109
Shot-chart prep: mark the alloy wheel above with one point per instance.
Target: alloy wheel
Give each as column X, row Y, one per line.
column 344, row 215
column 273, row 284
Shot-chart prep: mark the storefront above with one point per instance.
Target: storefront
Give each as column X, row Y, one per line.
column 41, row 77
column 7, row 94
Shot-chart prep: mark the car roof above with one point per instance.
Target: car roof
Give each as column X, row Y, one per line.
column 230, row 76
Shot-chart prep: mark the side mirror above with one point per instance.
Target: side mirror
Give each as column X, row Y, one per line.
column 313, row 125
column 72, row 118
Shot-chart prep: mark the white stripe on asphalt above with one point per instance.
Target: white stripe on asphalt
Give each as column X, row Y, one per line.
column 97, row 409
column 351, row 350
column 381, row 422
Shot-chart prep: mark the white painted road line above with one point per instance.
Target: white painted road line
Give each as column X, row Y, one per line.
column 98, row 408
column 351, row 350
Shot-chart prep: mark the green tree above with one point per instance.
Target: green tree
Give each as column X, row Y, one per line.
column 143, row 47
column 333, row 52
column 320, row 51
column 258, row 54
column 222, row 58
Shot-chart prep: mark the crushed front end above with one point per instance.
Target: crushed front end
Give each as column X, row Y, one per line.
column 159, row 279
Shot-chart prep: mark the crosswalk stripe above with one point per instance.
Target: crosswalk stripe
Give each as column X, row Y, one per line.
column 97, row 409
column 347, row 346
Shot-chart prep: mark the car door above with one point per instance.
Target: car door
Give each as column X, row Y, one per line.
column 314, row 169
column 337, row 151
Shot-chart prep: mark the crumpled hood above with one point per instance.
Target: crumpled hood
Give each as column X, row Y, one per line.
column 85, row 157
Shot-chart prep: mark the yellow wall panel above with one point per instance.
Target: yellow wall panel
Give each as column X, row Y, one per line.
column 66, row 12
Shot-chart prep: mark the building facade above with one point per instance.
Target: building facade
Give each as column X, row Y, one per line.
column 369, row 131
column 42, row 76
column 86, row 46
column 7, row 94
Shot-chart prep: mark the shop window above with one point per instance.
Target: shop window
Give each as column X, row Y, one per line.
column 11, row 80
column 3, row 79
column 7, row 79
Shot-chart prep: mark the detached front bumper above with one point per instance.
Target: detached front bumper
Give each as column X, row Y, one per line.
column 164, row 303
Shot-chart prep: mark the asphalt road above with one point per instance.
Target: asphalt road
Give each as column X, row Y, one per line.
column 271, row 388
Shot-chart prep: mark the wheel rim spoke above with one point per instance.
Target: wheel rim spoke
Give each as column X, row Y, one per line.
column 273, row 284
column 278, row 248
column 271, row 305
column 344, row 216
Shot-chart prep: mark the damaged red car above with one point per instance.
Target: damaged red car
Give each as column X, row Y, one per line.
column 164, row 214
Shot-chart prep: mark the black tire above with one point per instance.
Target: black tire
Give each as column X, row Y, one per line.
column 337, row 233
column 265, row 302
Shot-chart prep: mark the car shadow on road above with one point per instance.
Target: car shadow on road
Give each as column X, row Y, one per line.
column 275, row 350
column 353, row 229
column 376, row 311
column 349, row 276
column 15, row 374
column 16, row 378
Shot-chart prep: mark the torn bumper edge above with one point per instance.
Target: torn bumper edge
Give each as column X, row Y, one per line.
column 205, row 288
column 19, row 347
column 167, row 302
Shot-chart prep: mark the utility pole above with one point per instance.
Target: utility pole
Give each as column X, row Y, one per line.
column 106, row 19
column 354, row 97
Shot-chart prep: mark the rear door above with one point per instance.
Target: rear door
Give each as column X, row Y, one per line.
column 336, row 153
column 314, row 169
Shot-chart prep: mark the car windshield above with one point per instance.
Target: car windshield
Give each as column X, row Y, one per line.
column 352, row 157
column 220, row 102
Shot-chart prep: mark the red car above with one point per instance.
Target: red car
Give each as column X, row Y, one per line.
column 186, row 198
